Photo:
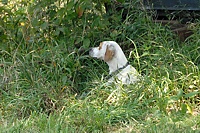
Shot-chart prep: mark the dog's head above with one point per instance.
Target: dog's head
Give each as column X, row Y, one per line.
column 105, row 51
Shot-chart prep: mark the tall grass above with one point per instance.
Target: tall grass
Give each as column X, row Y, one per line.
column 49, row 84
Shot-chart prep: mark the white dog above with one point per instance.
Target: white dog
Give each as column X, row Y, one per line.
column 120, row 70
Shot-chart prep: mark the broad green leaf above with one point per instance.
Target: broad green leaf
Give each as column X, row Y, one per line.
column 180, row 93
column 183, row 108
column 44, row 25
column 86, row 42
column 70, row 5
column 64, row 79
column 61, row 29
column 34, row 22
column 191, row 94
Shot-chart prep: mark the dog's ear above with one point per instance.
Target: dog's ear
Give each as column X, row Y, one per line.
column 110, row 52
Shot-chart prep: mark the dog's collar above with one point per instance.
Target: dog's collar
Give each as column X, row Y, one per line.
column 117, row 71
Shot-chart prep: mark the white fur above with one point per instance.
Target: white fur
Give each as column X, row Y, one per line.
column 127, row 75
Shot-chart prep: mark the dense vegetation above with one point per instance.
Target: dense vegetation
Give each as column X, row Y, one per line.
column 49, row 84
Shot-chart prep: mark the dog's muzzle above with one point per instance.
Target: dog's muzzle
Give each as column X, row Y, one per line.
column 91, row 53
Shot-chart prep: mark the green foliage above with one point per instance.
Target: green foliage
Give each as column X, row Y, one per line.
column 49, row 84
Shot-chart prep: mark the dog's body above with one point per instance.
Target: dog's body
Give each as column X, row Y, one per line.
column 119, row 69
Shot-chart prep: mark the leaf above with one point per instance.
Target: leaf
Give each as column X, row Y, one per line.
column 64, row 79
column 44, row 25
column 5, row 2
column 86, row 42
column 121, row 1
column 189, row 109
column 172, row 99
column 34, row 22
column 57, row 32
column 79, row 11
column 114, row 33
column 70, row 5
column 180, row 93
column 183, row 108
column 191, row 94
column 62, row 30
column 145, row 54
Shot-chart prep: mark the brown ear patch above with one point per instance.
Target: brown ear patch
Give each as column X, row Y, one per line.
column 109, row 54
column 100, row 46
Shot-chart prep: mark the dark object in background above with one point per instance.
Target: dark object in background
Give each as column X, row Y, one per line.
column 187, row 10
column 177, row 10
column 175, row 13
column 192, row 5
